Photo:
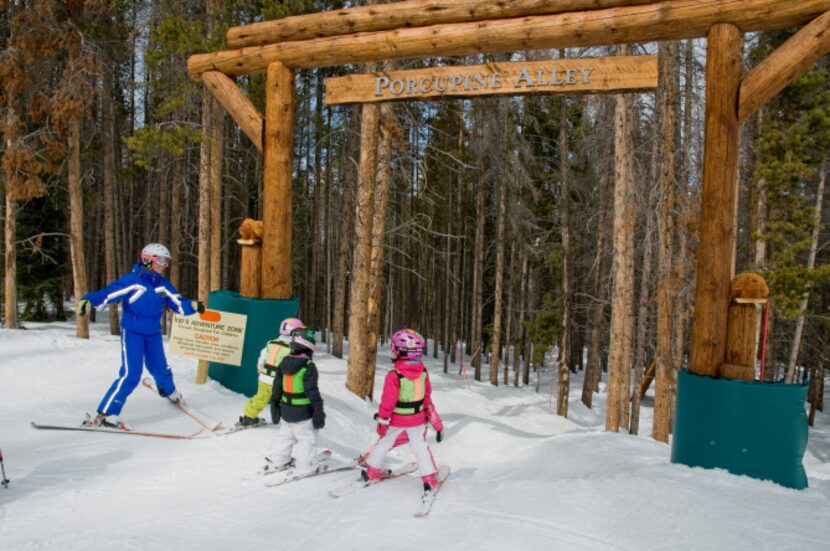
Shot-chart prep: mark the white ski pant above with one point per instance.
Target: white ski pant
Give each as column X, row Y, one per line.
column 299, row 438
column 417, row 443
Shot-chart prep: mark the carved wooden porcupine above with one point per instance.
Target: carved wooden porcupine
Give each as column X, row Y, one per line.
column 748, row 287
column 250, row 232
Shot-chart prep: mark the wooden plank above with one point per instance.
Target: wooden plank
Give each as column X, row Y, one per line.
column 667, row 20
column 563, row 76
column 237, row 104
column 412, row 13
column 276, row 194
column 716, row 252
column 784, row 65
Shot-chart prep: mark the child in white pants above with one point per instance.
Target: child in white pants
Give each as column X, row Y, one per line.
column 296, row 402
column 405, row 406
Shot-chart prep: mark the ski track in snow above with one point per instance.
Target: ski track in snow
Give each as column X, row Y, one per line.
column 523, row 478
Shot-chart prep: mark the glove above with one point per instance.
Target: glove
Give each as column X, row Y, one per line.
column 439, row 436
column 318, row 418
column 275, row 412
column 198, row 305
column 83, row 307
column 383, row 426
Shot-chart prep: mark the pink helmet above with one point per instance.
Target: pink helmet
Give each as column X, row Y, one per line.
column 288, row 325
column 407, row 344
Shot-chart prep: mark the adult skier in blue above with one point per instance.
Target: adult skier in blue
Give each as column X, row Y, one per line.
column 143, row 294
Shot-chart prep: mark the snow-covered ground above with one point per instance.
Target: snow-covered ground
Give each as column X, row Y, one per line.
column 522, row 479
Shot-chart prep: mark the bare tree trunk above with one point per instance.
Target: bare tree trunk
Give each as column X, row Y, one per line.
column 619, row 356
column 643, row 318
column 504, row 188
column 448, row 273
column 216, row 139
column 9, row 231
column 384, row 178
column 175, row 221
column 532, row 283
column 593, row 369
column 204, row 197
column 346, row 229
column 811, row 264
column 564, row 205
column 76, row 223
column 681, row 263
column 358, row 372
column 10, row 235
column 522, row 349
column 664, row 372
column 508, row 332
column 458, row 287
column 318, row 234
column 816, row 391
column 109, row 201
column 478, row 274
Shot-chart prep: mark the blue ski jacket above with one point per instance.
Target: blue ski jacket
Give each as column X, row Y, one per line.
column 143, row 296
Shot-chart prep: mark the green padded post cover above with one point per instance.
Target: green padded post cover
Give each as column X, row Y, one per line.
column 264, row 318
column 746, row 427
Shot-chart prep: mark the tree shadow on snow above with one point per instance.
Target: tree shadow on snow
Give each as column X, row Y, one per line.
column 58, row 473
column 456, row 422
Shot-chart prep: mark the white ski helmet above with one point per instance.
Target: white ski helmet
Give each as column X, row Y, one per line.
column 155, row 252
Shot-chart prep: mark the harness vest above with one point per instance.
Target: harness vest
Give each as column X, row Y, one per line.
column 411, row 394
column 276, row 350
column 293, row 388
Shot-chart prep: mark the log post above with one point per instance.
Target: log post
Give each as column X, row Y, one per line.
column 250, row 277
column 748, row 291
column 276, row 193
column 716, row 253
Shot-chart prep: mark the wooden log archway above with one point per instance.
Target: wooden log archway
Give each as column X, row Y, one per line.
column 482, row 26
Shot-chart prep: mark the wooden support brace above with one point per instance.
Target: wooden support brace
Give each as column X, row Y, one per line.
column 784, row 65
column 237, row 104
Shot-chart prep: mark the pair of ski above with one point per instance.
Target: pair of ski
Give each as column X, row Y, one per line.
column 427, row 499
column 288, row 473
column 205, row 421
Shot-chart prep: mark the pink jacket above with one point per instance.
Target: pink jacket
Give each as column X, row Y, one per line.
column 391, row 389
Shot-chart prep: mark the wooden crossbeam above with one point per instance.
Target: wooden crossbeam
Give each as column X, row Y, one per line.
column 667, row 20
column 410, row 13
column 784, row 65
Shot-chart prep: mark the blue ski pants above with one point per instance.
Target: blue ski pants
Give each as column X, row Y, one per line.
column 136, row 350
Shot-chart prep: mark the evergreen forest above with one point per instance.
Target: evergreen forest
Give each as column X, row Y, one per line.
column 536, row 235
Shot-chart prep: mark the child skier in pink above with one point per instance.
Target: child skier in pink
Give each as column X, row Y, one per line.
column 405, row 408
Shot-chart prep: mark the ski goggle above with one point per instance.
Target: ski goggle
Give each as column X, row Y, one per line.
column 163, row 261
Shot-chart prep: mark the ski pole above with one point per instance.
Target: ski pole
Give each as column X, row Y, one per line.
column 5, row 481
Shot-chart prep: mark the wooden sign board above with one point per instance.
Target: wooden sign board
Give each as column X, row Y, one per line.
column 555, row 76
column 213, row 336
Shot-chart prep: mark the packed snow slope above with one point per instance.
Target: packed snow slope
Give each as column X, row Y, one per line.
column 522, row 477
